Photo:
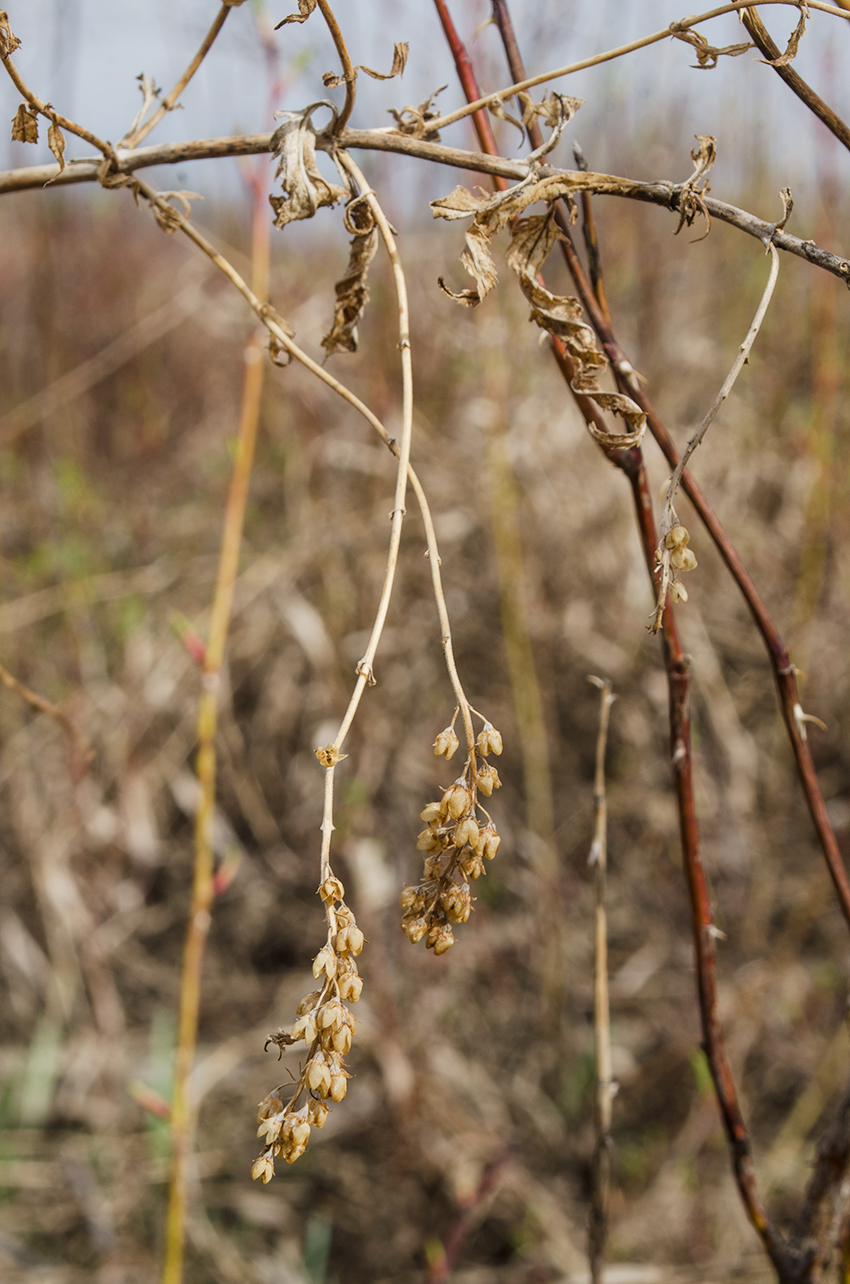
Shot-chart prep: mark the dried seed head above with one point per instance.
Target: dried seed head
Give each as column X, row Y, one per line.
column 488, row 779
column 339, row 1087
column 317, row 1113
column 308, row 1002
column 271, row 1128
column 300, row 1130
column 445, row 940
column 432, row 868
column 350, row 940
column 318, row 1076
column 466, row 831
column 295, row 1153
column 446, row 743
column 270, row 1105
column 414, row 928
column 489, row 740
column 489, row 842
column 331, row 1015
column 412, row 898
column 429, row 841
column 471, row 864
column 341, row 1041
column 264, row 1169
column 350, row 987
column 683, row 559
column 677, row 537
column 304, row 1028
column 456, row 801
column 678, row 592
column 332, row 890
column 431, row 814
column 325, row 961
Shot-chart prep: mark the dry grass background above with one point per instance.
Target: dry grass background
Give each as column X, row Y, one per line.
column 110, row 524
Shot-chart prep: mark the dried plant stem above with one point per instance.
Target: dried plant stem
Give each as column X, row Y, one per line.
column 605, row 1089
column 793, row 79
column 693, row 20
column 203, row 891
column 170, row 102
column 349, row 72
column 41, row 705
column 662, row 192
column 668, row 516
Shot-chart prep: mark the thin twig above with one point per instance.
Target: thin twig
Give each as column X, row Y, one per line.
column 170, row 102
column 42, row 705
column 668, row 516
column 501, row 95
column 605, row 1087
column 591, row 240
column 348, row 68
column 793, row 79
column 46, row 109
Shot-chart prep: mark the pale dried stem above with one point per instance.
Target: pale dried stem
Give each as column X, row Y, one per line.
column 668, row 516
column 598, row 859
column 501, row 95
column 662, row 192
column 170, row 102
column 42, row 705
column 347, row 65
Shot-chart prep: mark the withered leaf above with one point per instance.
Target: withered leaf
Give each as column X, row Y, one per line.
column 400, row 52
column 9, row 42
column 351, row 292
column 305, row 190
column 553, row 110
column 707, row 54
column 25, row 125
column 412, row 120
column 56, row 143
column 793, row 41
column 168, row 218
column 305, row 8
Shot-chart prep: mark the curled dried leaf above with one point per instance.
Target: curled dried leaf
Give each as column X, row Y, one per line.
column 167, row 217
column 332, row 79
column 305, row 8
column 412, row 120
column 9, row 42
column 351, row 292
column 708, row 54
column 25, row 125
column 793, row 41
column 56, row 143
column 305, row 190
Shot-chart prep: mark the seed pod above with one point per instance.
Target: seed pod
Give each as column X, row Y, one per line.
column 456, row 801
column 429, row 841
column 304, row 1028
column 270, row 1105
column 325, row 961
column 433, row 932
column 432, row 868
column 472, row 865
column 295, row 1153
column 489, row 740
column 489, row 842
column 350, row 940
column 332, row 890
column 410, row 897
column 446, row 743
column 263, row 1169
column 351, row 987
column 308, row 1002
column 338, row 1088
column 445, row 940
column 300, row 1131
column 342, row 1040
column 466, row 831
column 331, row 1015
column 318, row 1077
column 683, row 559
column 431, row 814
column 414, row 928
column 488, row 780
column 678, row 592
column 677, row 537
column 317, row 1111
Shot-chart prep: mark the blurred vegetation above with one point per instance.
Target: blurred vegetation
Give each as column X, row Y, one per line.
column 109, row 530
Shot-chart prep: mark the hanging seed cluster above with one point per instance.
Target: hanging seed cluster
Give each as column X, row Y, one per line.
column 681, row 558
column 456, row 843
column 327, row 1028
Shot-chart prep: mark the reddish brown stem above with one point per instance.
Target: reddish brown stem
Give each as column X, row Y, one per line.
column 444, row 1265
column 469, row 84
column 678, row 675
column 783, row 670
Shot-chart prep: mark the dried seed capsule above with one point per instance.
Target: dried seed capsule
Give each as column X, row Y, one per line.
column 466, row 831
column 431, row 814
column 456, row 801
column 350, row 940
column 432, row 868
column 263, row 1169
column 410, row 897
column 489, row 740
column 270, row 1105
column 317, row 1111
column 472, row 865
column 429, row 841
column 332, row 890
column 304, row 1028
column 300, row 1131
column 414, row 928
column 488, row 780
column 489, row 842
column 342, row 1040
column 339, row 1087
column 351, row 987
column 308, row 1002
column 446, row 743
column 677, row 537
column 325, row 961
column 331, row 1015
column 678, row 592
column 683, row 559
column 318, row 1077
column 445, row 940
column 295, row 1153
